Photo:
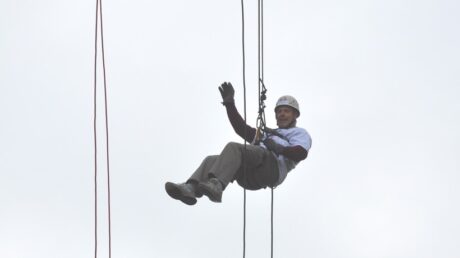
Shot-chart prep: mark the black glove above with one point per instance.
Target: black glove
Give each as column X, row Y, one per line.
column 227, row 92
column 273, row 146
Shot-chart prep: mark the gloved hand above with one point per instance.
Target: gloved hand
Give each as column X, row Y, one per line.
column 227, row 92
column 273, row 146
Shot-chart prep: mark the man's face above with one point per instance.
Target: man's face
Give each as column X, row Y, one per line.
column 285, row 115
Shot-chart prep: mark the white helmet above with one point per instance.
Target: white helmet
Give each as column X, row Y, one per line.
column 288, row 101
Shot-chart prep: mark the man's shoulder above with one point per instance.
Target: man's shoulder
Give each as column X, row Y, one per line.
column 293, row 130
column 301, row 137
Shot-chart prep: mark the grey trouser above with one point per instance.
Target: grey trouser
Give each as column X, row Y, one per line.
column 256, row 169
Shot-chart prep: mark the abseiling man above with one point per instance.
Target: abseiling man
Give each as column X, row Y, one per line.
column 254, row 166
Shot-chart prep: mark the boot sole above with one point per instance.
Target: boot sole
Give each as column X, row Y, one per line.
column 176, row 193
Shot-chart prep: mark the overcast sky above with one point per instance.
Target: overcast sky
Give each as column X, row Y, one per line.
column 378, row 84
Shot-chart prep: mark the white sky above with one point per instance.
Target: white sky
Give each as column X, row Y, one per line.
column 378, row 83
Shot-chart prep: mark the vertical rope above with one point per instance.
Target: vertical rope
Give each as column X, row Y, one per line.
column 106, row 132
column 260, row 64
column 262, row 77
column 262, row 98
column 245, row 143
column 259, row 78
column 99, row 16
column 272, row 223
column 262, row 38
column 95, row 129
column 261, row 81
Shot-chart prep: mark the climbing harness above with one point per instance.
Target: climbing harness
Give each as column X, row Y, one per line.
column 99, row 18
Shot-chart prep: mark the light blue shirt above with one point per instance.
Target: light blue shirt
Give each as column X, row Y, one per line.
column 289, row 137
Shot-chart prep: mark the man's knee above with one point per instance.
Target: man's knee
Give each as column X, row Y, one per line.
column 233, row 145
column 211, row 158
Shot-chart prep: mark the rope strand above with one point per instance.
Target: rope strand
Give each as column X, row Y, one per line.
column 95, row 129
column 262, row 106
column 99, row 16
column 245, row 143
column 273, row 193
column 262, row 97
column 106, row 133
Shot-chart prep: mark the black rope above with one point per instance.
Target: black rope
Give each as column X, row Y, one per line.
column 245, row 143
column 99, row 16
column 262, row 97
column 106, row 133
column 262, row 106
column 273, row 194
column 260, row 123
column 95, row 129
column 262, row 89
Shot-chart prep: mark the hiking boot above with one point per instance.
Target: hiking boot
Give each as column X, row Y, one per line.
column 196, row 190
column 212, row 189
column 183, row 192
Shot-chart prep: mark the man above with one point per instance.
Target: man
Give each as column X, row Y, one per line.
column 253, row 166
